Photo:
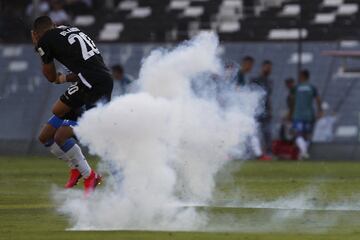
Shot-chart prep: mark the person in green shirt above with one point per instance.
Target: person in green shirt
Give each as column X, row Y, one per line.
column 303, row 113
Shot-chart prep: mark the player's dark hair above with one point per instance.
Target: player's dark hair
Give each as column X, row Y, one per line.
column 248, row 59
column 117, row 68
column 42, row 23
column 305, row 73
column 267, row 62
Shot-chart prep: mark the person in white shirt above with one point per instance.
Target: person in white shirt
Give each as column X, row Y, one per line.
column 58, row 14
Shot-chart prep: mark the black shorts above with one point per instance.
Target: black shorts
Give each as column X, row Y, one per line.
column 80, row 97
column 74, row 114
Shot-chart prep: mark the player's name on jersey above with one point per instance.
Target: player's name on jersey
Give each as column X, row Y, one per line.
column 69, row 30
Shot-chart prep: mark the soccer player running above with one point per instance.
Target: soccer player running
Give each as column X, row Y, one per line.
column 92, row 82
column 303, row 113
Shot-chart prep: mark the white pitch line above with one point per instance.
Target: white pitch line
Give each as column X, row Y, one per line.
column 273, row 208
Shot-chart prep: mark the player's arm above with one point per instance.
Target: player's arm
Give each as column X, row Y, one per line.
column 43, row 47
column 48, row 67
column 49, row 71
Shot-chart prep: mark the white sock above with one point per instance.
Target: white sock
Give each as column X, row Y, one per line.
column 59, row 153
column 78, row 160
column 256, row 146
column 302, row 145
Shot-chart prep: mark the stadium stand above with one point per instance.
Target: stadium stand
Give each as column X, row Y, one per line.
column 234, row 20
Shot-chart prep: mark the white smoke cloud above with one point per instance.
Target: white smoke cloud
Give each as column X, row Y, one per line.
column 168, row 142
column 308, row 210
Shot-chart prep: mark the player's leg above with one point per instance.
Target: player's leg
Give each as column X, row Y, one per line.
column 64, row 138
column 266, row 128
column 48, row 133
column 74, row 98
column 46, row 137
column 264, row 140
column 75, row 174
column 72, row 151
column 60, row 109
column 300, row 141
column 308, row 134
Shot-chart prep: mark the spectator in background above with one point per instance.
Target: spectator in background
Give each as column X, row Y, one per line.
column 285, row 129
column 243, row 79
column 43, row 8
column 303, row 114
column 265, row 83
column 58, row 14
column 122, row 82
column 247, row 64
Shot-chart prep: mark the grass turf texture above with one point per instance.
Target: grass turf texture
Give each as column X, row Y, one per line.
column 27, row 212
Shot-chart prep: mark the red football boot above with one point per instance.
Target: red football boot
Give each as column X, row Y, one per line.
column 91, row 182
column 265, row 157
column 75, row 175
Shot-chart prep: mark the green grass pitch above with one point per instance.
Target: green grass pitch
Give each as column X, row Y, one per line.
column 27, row 211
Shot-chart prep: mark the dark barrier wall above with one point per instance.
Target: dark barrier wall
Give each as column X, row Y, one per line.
column 26, row 97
